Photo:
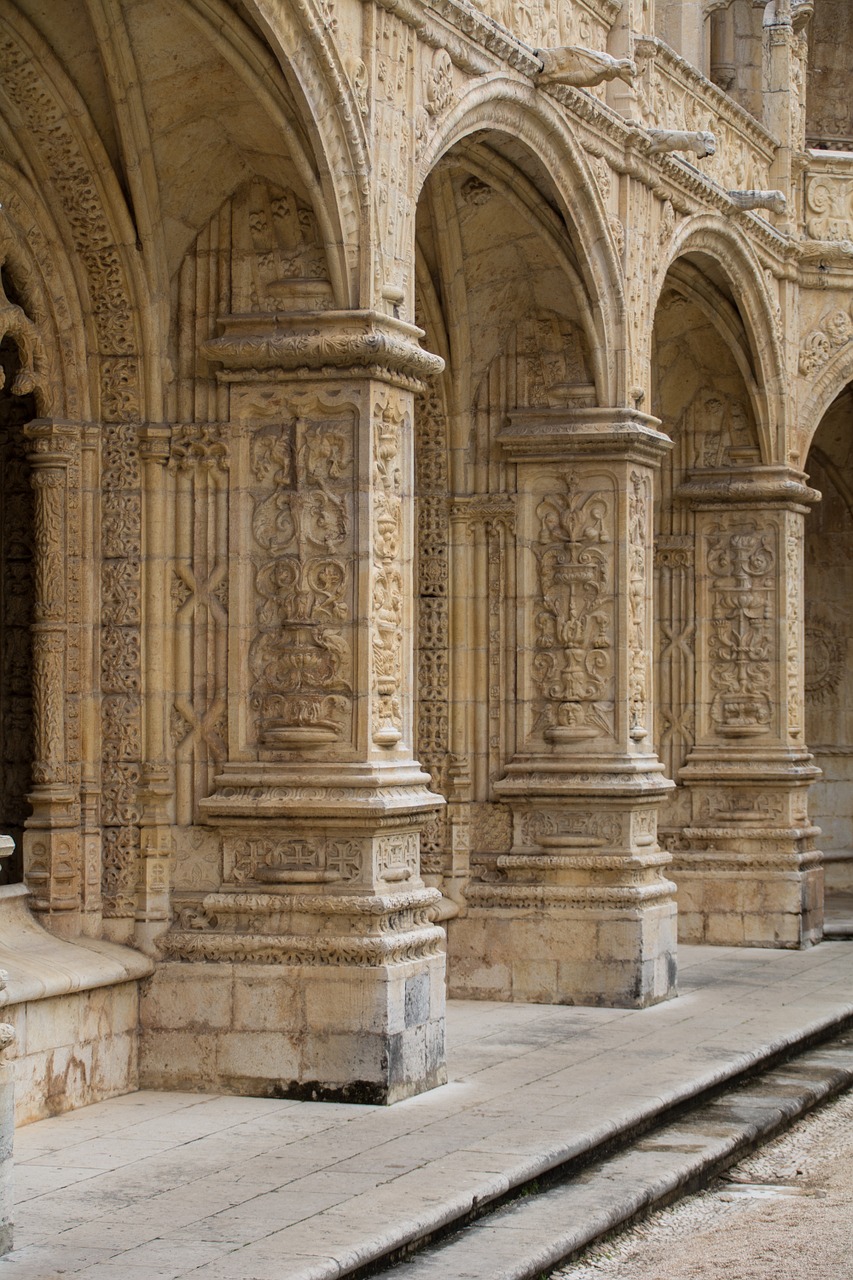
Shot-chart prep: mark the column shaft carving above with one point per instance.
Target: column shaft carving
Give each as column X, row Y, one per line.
column 156, row 839
column 52, row 856
column 746, row 863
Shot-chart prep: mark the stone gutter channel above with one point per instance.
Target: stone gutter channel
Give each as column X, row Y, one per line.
column 550, row 1208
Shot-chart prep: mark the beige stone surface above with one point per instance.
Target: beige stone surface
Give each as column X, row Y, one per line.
column 223, row 1188
column 412, row 420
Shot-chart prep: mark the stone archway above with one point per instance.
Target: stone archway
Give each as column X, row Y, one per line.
column 829, row 642
column 17, row 592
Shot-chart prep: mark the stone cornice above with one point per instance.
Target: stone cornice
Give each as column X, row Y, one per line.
column 573, row 432
column 363, row 342
column 748, row 487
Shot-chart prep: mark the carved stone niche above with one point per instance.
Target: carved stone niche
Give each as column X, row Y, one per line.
column 746, row 864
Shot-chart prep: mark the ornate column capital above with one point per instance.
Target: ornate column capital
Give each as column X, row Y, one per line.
column 285, row 345
column 547, row 434
column 53, row 441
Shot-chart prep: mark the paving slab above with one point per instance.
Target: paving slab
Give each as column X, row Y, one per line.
column 258, row 1188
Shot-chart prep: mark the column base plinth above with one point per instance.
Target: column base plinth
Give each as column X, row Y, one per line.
column 745, row 896
column 594, row 954
column 275, row 994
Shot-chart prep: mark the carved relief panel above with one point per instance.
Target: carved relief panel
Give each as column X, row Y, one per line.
column 738, row 612
column 570, row 615
column 432, row 743
column 17, row 586
column 295, row 473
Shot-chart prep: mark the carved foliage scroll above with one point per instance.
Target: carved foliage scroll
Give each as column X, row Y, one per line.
column 121, row 677
column 573, row 666
column 302, row 524
column 387, row 594
column 740, row 560
column 639, row 656
column 52, row 128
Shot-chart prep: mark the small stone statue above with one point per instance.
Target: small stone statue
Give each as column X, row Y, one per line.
column 773, row 200
column 701, row 144
column 582, row 68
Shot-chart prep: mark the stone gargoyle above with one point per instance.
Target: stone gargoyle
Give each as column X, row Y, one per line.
column 775, row 201
column 582, row 68
column 701, row 144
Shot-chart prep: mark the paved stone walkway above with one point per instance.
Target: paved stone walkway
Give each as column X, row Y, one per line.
column 165, row 1186
column 784, row 1213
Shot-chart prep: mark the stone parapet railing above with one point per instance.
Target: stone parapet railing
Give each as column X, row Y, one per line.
column 672, row 94
column 549, row 23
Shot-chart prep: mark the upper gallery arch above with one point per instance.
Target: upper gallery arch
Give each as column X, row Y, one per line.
column 509, row 139
column 711, row 264
column 53, row 145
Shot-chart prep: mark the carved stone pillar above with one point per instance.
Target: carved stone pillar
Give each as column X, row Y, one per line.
column 747, row 869
column 579, row 910
column 321, row 921
column 155, row 836
column 52, row 856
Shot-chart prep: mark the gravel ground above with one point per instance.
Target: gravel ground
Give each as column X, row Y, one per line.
column 785, row 1213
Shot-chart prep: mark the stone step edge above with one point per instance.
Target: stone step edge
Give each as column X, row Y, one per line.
column 374, row 1255
column 687, row 1175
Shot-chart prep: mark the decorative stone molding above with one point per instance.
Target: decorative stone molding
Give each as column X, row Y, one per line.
column 583, row 542
column 774, row 201
column 266, row 929
column 51, row 841
column 336, row 341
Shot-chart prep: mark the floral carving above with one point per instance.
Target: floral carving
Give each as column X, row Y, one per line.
column 834, row 332
column 574, row 619
column 300, row 659
column 121, row 655
column 439, row 83
column 199, row 444
column 638, row 649
column 740, row 561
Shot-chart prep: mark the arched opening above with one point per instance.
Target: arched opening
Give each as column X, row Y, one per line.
column 17, row 585
column 700, row 395
column 829, row 643
column 735, row 49
column 829, row 108
column 729, row 612
column 500, row 298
